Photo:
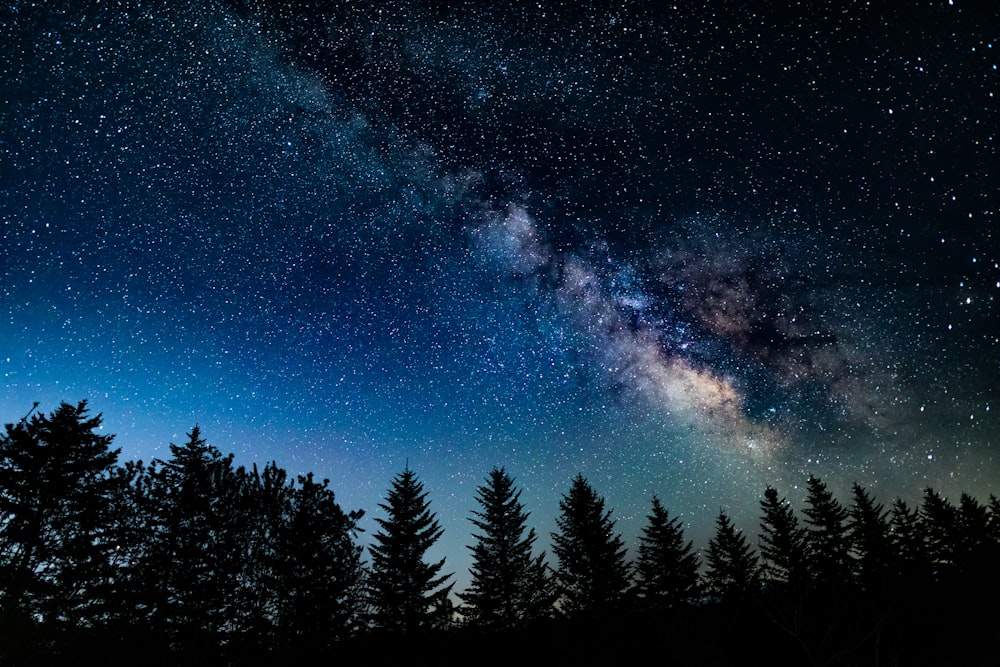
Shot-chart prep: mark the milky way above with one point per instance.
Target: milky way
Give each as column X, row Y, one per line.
column 684, row 251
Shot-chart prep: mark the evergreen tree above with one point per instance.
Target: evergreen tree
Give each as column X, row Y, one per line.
column 262, row 514
column 197, row 544
column 974, row 553
column 993, row 521
column 939, row 519
column 989, row 556
column 58, row 488
column 405, row 591
column 870, row 539
column 593, row 576
column 130, row 586
column 667, row 567
column 973, row 523
column 319, row 570
column 510, row 586
column 733, row 572
column 826, row 535
column 782, row 543
column 910, row 561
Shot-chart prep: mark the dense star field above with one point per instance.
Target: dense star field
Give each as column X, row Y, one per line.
column 680, row 249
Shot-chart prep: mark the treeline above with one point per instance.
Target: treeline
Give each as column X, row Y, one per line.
column 191, row 560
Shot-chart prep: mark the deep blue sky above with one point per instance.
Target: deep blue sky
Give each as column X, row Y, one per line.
column 683, row 250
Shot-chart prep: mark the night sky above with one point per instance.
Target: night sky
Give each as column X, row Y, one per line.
column 688, row 249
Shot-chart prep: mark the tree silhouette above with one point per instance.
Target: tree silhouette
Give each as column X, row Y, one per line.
column 58, row 486
column 782, row 544
column 733, row 572
column 988, row 555
column 593, row 576
column 972, row 527
column 910, row 561
column 190, row 561
column 133, row 529
column 826, row 535
column 196, row 548
column 262, row 512
column 870, row 539
column 405, row 591
column 939, row 519
column 510, row 586
column 319, row 570
column 993, row 522
column 667, row 567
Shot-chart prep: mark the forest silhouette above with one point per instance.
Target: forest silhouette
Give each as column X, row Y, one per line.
column 193, row 561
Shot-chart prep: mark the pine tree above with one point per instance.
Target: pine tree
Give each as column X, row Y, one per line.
column 826, row 535
column 197, row 545
column 974, row 554
column 510, row 586
column 593, row 576
column 667, row 567
column 733, row 572
column 870, row 539
column 993, row 520
column 319, row 569
column 262, row 514
column 989, row 555
column 58, row 488
column 910, row 561
column 132, row 538
column 939, row 519
column 782, row 543
column 405, row 591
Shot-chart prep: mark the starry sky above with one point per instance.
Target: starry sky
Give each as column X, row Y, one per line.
column 688, row 249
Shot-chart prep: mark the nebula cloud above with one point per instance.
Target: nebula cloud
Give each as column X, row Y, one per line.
column 628, row 354
column 779, row 308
